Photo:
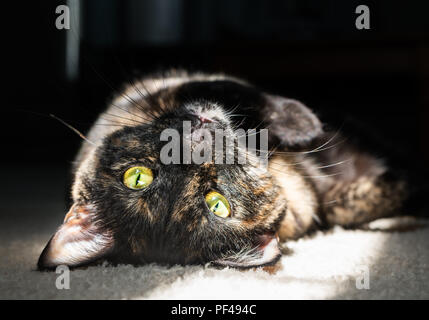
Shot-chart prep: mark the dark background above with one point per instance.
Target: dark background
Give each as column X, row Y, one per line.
column 376, row 80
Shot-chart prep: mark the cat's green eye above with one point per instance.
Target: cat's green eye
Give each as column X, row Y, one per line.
column 218, row 204
column 138, row 177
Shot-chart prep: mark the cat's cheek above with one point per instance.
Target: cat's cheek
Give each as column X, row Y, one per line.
column 79, row 240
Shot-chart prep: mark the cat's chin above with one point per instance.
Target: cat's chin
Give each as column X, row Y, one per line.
column 267, row 253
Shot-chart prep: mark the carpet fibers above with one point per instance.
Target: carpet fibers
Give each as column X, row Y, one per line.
column 389, row 260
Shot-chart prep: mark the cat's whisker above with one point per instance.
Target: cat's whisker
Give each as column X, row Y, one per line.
column 315, row 150
column 334, row 164
column 249, row 134
column 331, row 139
column 323, row 176
column 316, row 219
column 131, row 113
column 324, row 149
column 124, row 118
column 146, row 111
column 237, row 115
column 111, row 125
column 119, row 123
column 288, row 164
column 330, row 202
column 111, row 86
column 280, row 168
column 143, row 97
column 232, row 110
column 165, row 108
column 310, row 151
column 158, row 109
column 80, row 134
column 237, row 127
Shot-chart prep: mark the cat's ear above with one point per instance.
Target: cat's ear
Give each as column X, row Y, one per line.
column 290, row 122
column 79, row 240
column 266, row 253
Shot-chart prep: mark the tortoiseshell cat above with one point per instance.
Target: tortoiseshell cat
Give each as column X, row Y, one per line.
column 129, row 207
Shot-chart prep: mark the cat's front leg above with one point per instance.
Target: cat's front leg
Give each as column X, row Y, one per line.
column 365, row 199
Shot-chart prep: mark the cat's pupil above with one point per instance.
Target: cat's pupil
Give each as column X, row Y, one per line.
column 216, row 206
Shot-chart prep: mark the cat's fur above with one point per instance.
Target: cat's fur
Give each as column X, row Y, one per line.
column 314, row 180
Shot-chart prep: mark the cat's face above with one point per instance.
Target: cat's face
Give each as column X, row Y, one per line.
column 130, row 207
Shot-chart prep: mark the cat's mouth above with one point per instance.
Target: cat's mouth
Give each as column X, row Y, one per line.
column 266, row 253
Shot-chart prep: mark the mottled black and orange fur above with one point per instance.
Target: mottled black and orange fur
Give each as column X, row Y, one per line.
column 315, row 178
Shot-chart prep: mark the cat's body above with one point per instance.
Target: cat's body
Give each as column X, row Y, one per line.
column 315, row 179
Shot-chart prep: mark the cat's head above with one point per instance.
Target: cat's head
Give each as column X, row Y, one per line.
column 131, row 207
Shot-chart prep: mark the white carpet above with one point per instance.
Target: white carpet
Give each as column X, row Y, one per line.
column 324, row 266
